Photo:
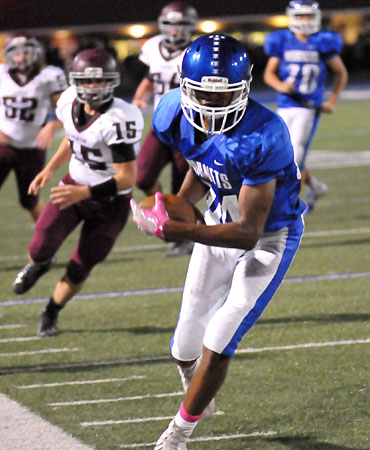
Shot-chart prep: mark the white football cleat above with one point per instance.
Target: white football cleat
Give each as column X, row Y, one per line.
column 313, row 192
column 173, row 438
column 185, row 380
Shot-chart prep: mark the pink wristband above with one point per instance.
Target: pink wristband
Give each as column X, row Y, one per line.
column 188, row 417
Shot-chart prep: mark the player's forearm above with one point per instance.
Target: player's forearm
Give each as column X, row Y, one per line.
column 231, row 235
column 144, row 92
column 192, row 188
column 125, row 177
column 339, row 84
column 62, row 155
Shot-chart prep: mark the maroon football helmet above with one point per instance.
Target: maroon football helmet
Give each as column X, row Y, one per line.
column 21, row 51
column 91, row 66
column 177, row 21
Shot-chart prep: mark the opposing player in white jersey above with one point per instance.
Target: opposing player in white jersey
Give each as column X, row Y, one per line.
column 241, row 158
column 28, row 92
column 296, row 69
column 102, row 132
column 163, row 55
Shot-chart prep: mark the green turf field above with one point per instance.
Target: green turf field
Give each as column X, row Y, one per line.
column 300, row 378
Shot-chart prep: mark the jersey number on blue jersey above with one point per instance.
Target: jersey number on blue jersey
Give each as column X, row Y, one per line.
column 309, row 75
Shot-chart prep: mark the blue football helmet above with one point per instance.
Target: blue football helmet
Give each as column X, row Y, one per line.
column 305, row 25
column 215, row 63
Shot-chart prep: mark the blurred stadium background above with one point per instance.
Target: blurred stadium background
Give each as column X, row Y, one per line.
column 64, row 27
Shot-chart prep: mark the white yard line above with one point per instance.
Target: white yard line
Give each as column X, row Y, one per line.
column 151, row 359
column 115, row 294
column 74, row 383
column 307, row 345
column 332, row 159
column 20, row 429
column 37, row 352
column 118, row 399
column 19, row 339
column 136, row 420
column 329, row 233
column 11, row 326
column 222, row 437
column 324, row 233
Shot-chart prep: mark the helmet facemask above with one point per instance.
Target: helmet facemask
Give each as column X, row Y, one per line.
column 214, row 119
column 94, row 95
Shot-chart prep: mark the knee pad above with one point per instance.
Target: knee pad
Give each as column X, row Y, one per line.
column 77, row 273
column 28, row 202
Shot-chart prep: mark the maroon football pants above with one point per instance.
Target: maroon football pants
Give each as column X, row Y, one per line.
column 153, row 157
column 26, row 163
column 102, row 222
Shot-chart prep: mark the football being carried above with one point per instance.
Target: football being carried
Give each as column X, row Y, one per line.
column 153, row 212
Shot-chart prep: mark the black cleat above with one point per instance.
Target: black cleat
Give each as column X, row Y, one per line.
column 29, row 275
column 48, row 323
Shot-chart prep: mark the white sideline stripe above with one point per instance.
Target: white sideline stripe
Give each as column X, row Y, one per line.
column 11, row 326
column 72, row 383
column 115, row 294
column 163, row 247
column 22, row 429
column 138, row 420
column 209, row 438
column 119, row 399
column 151, row 359
column 19, row 339
column 141, row 248
column 308, row 345
column 37, row 352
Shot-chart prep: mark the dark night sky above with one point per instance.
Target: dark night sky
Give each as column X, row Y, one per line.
column 23, row 14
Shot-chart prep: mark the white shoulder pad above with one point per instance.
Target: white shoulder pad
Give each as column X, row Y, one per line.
column 55, row 76
column 67, row 97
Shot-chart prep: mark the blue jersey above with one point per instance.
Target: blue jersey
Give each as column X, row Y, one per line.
column 303, row 62
column 255, row 151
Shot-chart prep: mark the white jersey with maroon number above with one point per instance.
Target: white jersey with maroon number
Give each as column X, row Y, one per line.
column 163, row 66
column 24, row 108
column 92, row 161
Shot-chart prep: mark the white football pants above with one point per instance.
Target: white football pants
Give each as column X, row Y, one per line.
column 300, row 123
column 226, row 290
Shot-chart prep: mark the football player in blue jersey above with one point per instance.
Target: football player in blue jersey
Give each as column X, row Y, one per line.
column 296, row 69
column 241, row 158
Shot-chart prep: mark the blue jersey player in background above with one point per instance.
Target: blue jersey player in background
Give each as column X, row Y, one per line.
column 241, row 157
column 297, row 69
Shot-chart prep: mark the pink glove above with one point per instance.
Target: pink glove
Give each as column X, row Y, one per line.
column 151, row 221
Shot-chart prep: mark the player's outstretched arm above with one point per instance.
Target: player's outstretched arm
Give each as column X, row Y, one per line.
column 143, row 94
column 61, row 156
column 46, row 134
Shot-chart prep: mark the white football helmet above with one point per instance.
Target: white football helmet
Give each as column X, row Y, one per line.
column 21, row 51
column 305, row 25
column 177, row 21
